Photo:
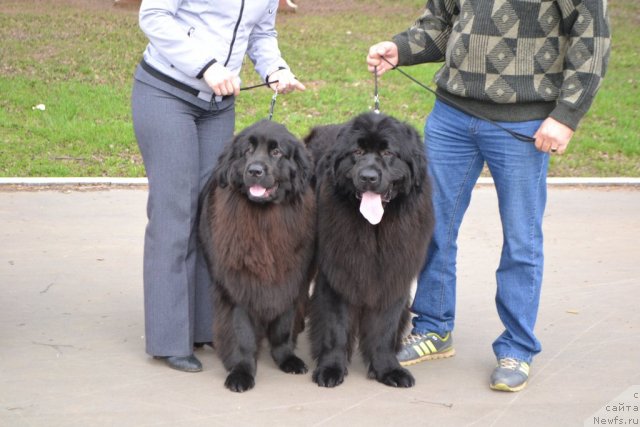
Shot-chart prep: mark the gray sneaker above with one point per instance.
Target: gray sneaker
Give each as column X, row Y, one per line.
column 421, row 347
column 510, row 375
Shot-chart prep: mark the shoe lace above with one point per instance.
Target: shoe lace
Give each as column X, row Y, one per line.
column 413, row 338
column 509, row 363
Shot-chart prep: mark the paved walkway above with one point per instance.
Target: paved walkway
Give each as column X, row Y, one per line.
column 71, row 326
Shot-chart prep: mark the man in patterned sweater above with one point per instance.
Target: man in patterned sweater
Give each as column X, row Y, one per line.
column 530, row 67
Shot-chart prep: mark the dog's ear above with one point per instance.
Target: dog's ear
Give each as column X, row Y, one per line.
column 336, row 155
column 224, row 167
column 301, row 174
column 417, row 159
column 310, row 137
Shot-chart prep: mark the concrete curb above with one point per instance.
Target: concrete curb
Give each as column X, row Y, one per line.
column 55, row 181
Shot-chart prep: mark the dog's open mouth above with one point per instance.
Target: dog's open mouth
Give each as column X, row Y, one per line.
column 372, row 205
column 385, row 197
column 258, row 192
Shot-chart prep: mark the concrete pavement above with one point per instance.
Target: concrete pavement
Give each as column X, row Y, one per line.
column 71, row 327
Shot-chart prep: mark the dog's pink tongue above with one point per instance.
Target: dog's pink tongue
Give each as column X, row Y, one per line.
column 257, row 190
column 371, row 207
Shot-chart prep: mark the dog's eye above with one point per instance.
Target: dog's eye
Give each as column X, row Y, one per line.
column 250, row 149
column 276, row 152
column 388, row 153
column 358, row 152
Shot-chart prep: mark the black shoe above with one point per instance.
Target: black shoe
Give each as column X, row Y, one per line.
column 198, row 345
column 182, row 363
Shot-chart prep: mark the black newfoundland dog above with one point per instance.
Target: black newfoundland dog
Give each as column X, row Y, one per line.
column 257, row 228
column 375, row 219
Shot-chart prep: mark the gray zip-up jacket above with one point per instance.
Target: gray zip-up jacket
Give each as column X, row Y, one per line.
column 187, row 36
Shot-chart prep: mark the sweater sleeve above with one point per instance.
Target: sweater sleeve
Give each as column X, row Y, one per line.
column 586, row 23
column 426, row 39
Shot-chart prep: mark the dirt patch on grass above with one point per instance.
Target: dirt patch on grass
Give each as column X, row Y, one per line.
column 13, row 6
column 627, row 10
column 339, row 7
column 305, row 7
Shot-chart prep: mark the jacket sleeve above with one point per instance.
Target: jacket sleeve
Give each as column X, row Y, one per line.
column 188, row 54
column 426, row 40
column 586, row 23
column 263, row 44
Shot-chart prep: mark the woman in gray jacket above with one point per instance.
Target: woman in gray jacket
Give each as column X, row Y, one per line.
column 183, row 112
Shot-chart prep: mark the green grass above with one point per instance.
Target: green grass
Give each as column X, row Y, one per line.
column 77, row 58
column 608, row 140
column 92, row 137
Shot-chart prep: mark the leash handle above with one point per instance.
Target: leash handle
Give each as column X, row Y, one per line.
column 516, row 135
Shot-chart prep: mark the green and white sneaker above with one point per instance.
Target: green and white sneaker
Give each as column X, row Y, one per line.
column 510, row 375
column 421, row 347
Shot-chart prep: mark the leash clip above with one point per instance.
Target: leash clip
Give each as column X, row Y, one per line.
column 273, row 103
column 376, row 98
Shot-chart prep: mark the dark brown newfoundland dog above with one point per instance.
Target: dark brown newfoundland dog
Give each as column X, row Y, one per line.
column 375, row 220
column 257, row 227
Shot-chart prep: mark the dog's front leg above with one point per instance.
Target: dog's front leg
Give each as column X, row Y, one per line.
column 378, row 344
column 236, row 343
column 329, row 321
column 282, row 340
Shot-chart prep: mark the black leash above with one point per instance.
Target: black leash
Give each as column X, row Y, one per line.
column 258, row 85
column 517, row 135
column 273, row 98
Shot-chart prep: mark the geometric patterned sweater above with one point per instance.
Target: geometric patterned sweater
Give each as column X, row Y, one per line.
column 513, row 60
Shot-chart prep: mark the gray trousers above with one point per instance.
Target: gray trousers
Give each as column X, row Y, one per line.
column 180, row 143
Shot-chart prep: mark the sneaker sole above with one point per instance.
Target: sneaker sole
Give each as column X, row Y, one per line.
column 436, row 356
column 504, row 387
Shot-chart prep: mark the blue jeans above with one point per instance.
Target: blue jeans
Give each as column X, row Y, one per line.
column 458, row 145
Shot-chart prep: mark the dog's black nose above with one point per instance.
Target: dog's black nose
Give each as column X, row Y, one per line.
column 369, row 176
column 256, row 170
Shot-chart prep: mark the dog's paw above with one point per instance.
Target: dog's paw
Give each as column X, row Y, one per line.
column 293, row 365
column 329, row 376
column 239, row 381
column 398, row 377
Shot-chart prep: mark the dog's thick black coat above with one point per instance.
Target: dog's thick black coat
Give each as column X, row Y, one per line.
column 365, row 271
column 257, row 229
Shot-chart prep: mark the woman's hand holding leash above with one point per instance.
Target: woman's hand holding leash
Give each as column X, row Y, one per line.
column 221, row 80
column 283, row 81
